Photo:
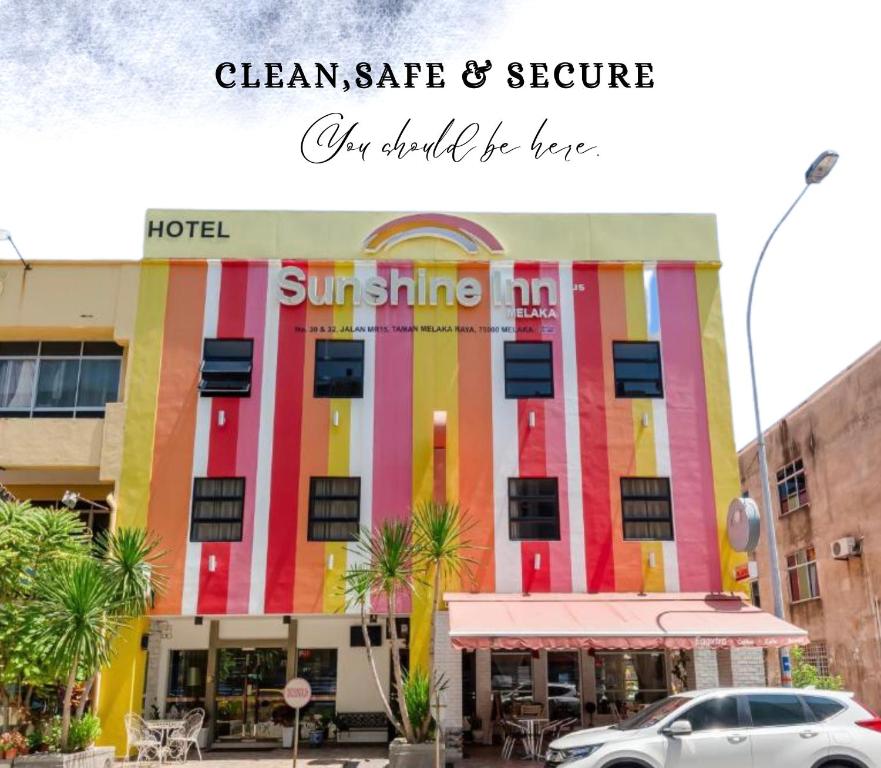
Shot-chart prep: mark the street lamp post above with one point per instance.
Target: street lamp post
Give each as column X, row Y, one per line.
column 818, row 171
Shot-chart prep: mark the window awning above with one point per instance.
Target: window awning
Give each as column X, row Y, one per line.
column 626, row 621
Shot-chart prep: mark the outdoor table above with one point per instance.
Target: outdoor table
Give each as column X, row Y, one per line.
column 163, row 728
column 532, row 727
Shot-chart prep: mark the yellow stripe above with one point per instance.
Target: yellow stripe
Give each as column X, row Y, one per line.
column 142, row 390
column 338, row 458
column 645, row 464
column 122, row 683
column 726, row 481
column 435, row 365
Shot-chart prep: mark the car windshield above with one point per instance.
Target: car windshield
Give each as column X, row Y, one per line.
column 653, row 713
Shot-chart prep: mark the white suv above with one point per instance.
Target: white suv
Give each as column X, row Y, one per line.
column 732, row 728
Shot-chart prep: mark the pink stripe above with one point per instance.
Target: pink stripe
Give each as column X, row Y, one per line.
column 393, row 414
column 247, row 446
column 555, row 443
column 694, row 504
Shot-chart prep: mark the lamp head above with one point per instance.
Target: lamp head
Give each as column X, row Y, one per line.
column 5, row 234
column 821, row 167
column 70, row 499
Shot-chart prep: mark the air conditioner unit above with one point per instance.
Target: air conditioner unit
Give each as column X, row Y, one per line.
column 847, row 547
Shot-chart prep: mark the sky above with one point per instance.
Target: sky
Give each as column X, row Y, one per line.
column 110, row 108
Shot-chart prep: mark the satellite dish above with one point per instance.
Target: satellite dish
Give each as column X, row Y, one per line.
column 744, row 525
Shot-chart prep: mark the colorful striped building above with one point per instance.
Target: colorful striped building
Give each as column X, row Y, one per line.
column 288, row 378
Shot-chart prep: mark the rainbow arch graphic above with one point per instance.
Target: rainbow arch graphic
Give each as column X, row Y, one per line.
column 466, row 234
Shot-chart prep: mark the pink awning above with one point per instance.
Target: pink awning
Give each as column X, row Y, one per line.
column 627, row 621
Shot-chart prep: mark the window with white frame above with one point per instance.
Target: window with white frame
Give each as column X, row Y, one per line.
column 801, row 567
column 791, row 487
column 58, row 379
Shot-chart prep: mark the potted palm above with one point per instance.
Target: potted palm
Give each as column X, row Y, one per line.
column 396, row 558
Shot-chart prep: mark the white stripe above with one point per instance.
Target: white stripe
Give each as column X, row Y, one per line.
column 659, row 420
column 506, row 460
column 577, row 543
column 256, row 598
column 361, row 433
column 190, row 598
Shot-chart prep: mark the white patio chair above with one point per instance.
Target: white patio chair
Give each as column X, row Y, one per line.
column 180, row 740
column 140, row 737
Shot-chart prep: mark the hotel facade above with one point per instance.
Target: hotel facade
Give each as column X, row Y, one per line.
column 263, row 385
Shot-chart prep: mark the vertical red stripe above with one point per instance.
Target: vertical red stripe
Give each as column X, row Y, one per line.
column 599, row 558
column 393, row 411
column 694, row 504
column 281, row 551
column 559, row 555
column 531, row 441
column 223, row 440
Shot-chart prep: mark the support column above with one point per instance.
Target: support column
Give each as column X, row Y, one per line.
column 293, row 655
column 154, row 659
column 540, row 680
column 211, row 678
column 448, row 666
column 747, row 667
column 483, row 690
column 703, row 670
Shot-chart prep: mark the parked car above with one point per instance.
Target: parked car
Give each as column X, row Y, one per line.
column 732, row 728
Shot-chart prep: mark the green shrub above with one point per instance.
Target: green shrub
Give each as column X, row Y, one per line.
column 84, row 732
column 416, row 695
column 805, row 675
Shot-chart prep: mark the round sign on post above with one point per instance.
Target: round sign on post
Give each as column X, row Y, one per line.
column 744, row 525
column 297, row 694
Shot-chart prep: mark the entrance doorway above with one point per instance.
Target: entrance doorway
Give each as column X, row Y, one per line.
column 250, row 685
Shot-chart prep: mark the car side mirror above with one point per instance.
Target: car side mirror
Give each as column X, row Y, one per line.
column 678, row 728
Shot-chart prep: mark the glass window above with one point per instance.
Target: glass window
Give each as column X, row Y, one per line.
column 334, row 508
column 186, row 681
column 218, row 507
column 713, row 714
column 626, row 682
column 226, row 368
column 339, row 368
column 564, row 686
column 791, row 487
column 511, row 681
column 319, row 667
column 58, row 379
column 646, row 507
column 637, row 369
column 533, row 509
column 770, row 709
column 801, row 567
column 755, row 595
column 529, row 369
column 823, row 707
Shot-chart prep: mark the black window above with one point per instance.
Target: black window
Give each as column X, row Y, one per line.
column 769, row 709
column 646, row 507
column 529, row 369
column 823, row 707
column 226, row 368
column 339, row 368
column 334, row 508
column 533, row 509
column 218, row 506
column 637, row 369
column 792, row 487
column 713, row 714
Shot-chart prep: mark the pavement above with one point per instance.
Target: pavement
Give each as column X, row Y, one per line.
column 349, row 756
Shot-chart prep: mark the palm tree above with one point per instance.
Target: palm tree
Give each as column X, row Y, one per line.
column 84, row 604
column 385, row 558
column 389, row 558
column 439, row 532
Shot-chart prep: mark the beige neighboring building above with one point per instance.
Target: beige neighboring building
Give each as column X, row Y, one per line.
column 824, row 459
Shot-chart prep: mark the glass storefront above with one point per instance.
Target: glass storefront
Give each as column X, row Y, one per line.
column 626, row 682
column 186, row 682
column 511, row 681
column 250, row 685
column 564, row 686
column 319, row 667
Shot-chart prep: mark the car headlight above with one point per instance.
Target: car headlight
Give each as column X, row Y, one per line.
column 575, row 753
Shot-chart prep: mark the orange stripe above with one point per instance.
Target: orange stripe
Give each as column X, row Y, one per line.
column 310, row 564
column 176, row 423
column 619, row 426
column 475, row 431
